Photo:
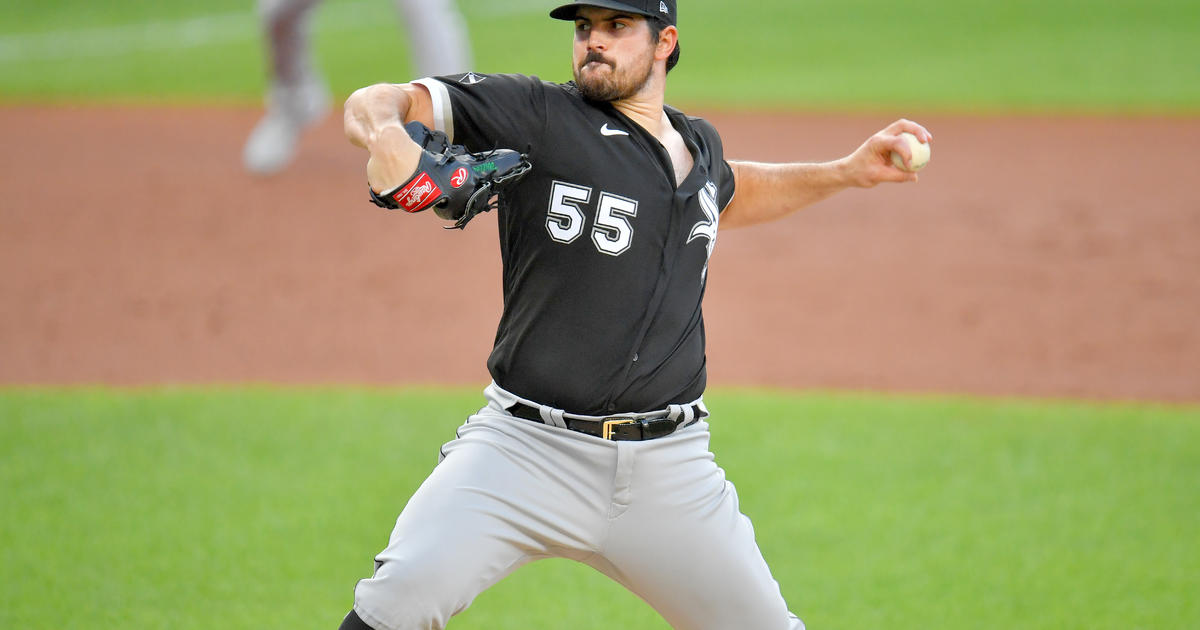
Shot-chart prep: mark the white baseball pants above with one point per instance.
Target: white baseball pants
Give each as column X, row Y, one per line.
column 656, row 516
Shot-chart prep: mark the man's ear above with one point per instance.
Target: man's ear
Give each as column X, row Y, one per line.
column 667, row 39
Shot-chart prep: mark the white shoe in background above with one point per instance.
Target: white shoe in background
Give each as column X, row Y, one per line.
column 290, row 110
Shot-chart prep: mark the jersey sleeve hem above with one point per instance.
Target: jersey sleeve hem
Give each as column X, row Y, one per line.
column 726, row 205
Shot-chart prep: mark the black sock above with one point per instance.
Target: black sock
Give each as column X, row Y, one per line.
column 352, row 622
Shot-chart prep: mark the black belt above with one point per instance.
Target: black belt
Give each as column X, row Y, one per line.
column 619, row 428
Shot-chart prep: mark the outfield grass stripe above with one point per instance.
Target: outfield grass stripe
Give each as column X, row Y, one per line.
column 1069, row 55
column 203, row 30
column 491, row 8
column 191, row 32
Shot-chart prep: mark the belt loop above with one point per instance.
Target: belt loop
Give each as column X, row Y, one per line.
column 675, row 411
column 552, row 416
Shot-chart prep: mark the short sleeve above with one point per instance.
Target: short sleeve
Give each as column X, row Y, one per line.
column 719, row 170
column 486, row 111
column 726, row 185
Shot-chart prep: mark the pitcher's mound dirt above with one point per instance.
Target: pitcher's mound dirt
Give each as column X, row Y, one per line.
column 1037, row 256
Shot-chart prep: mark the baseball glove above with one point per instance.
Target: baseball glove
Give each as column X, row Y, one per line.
column 456, row 183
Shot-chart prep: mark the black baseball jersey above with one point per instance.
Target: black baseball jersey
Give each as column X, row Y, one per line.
column 604, row 257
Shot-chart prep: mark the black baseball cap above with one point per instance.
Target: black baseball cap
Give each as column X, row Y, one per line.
column 661, row 9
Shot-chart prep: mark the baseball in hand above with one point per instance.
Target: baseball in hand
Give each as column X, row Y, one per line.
column 920, row 153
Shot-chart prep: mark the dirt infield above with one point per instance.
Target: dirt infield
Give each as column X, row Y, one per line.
column 1045, row 257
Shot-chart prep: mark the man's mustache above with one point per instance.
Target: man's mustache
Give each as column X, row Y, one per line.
column 595, row 56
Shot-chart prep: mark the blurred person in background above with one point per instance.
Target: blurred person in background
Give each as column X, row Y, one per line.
column 298, row 96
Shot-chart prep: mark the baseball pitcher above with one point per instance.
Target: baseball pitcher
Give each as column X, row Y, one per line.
column 593, row 441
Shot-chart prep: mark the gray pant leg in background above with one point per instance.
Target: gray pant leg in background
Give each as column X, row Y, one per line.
column 437, row 36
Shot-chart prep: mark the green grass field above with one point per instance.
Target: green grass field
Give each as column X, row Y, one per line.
column 1135, row 56
column 258, row 507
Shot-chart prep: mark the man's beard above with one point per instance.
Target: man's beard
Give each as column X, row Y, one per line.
column 616, row 85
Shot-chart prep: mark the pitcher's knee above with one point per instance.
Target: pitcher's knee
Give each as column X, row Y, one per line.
column 399, row 599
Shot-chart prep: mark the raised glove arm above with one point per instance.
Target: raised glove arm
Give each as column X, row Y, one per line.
column 456, row 183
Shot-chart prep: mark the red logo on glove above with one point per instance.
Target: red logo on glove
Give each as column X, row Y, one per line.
column 459, row 178
column 418, row 194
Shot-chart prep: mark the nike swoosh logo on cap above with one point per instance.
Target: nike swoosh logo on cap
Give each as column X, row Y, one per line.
column 605, row 131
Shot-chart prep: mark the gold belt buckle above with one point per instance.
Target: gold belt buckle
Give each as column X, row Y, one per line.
column 609, row 424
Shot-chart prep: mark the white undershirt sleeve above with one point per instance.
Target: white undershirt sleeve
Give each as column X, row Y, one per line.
column 443, row 115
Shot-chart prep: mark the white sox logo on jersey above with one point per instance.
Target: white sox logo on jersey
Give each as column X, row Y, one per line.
column 707, row 228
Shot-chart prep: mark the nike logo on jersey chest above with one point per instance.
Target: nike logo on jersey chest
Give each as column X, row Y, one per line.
column 605, row 130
